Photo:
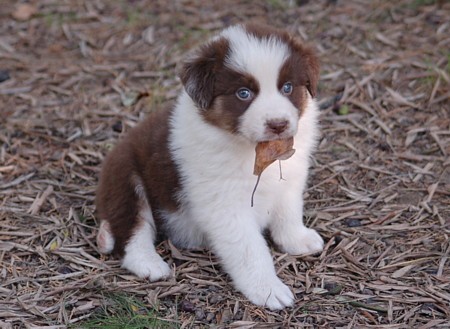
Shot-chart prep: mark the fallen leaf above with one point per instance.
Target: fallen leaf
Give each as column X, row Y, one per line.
column 84, row 307
column 343, row 110
column 149, row 35
column 402, row 271
column 54, row 245
column 24, row 12
column 400, row 99
column 319, row 291
column 129, row 98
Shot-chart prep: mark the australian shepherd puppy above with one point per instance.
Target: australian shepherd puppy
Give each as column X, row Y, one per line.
column 188, row 171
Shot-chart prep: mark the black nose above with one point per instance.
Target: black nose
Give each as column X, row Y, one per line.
column 277, row 126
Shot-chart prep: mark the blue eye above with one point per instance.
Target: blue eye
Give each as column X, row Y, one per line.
column 244, row 94
column 287, row 88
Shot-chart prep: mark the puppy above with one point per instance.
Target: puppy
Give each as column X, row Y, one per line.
column 187, row 171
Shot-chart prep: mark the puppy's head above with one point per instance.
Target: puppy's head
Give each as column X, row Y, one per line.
column 252, row 80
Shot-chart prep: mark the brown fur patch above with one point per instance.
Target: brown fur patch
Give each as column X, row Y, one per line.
column 198, row 73
column 143, row 153
column 302, row 67
column 291, row 72
column 305, row 64
column 226, row 108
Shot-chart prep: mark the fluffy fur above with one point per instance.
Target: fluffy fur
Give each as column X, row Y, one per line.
column 187, row 171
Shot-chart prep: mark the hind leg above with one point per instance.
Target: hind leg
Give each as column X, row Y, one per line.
column 140, row 256
column 127, row 228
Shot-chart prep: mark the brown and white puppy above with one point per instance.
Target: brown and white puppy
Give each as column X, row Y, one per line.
column 187, row 171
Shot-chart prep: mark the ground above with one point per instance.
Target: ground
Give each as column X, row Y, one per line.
column 77, row 74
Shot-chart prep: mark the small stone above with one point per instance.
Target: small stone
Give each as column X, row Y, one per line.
column 353, row 222
column 4, row 75
column 213, row 288
column 332, row 288
column 367, row 291
column 65, row 270
column 117, row 127
column 210, row 317
column 428, row 306
column 178, row 262
column 187, row 306
column 199, row 314
column 214, row 299
column 337, row 239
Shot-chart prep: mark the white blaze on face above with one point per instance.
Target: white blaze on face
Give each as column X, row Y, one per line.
column 262, row 59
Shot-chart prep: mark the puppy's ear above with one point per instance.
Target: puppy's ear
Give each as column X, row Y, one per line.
column 312, row 72
column 309, row 65
column 198, row 72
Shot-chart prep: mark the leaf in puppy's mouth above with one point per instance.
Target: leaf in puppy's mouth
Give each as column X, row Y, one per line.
column 267, row 153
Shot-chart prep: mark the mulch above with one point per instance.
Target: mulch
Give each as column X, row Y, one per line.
column 76, row 75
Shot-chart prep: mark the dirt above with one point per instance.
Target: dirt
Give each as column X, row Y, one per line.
column 77, row 75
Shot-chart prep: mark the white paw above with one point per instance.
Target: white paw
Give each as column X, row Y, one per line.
column 305, row 241
column 151, row 267
column 272, row 294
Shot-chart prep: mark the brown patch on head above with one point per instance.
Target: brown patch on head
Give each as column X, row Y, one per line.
column 199, row 72
column 301, row 68
column 302, row 65
column 227, row 108
column 295, row 71
column 212, row 85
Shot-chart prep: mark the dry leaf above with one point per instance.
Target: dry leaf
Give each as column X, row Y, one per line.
column 24, row 12
column 149, row 35
column 268, row 152
column 400, row 99
column 54, row 245
column 402, row 271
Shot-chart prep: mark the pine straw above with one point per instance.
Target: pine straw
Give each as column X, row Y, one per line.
column 82, row 71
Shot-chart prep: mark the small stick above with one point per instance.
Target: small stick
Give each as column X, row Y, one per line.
column 254, row 189
column 40, row 200
column 281, row 173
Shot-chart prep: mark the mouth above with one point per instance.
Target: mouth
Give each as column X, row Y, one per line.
column 275, row 138
column 260, row 137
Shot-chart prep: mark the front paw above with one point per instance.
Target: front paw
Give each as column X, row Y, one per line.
column 271, row 293
column 144, row 266
column 305, row 241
